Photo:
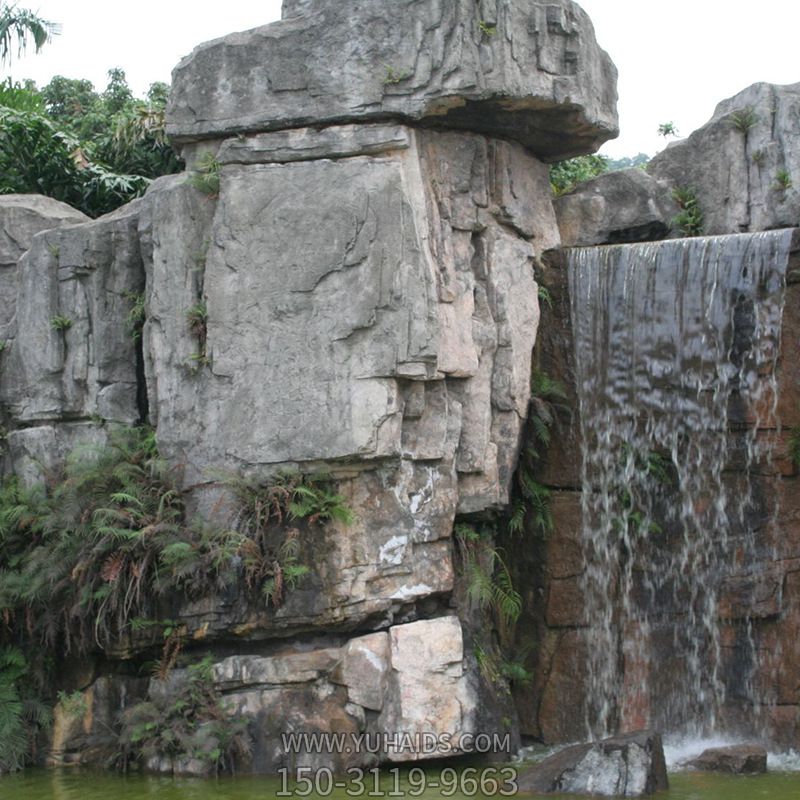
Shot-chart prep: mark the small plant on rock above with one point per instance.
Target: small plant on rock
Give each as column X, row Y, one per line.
column 271, row 550
column 758, row 157
column 783, row 180
column 206, row 176
column 137, row 314
column 486, row 28
column 545, row 298
column 690, row 219
column 73, row 704
column 3, row 345
column 489, row 584
column 60, row 323
column 197, row 320
column 666, row 129
column 744, row 119
column 394, row 76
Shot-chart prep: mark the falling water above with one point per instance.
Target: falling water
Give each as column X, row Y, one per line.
column 676, row 345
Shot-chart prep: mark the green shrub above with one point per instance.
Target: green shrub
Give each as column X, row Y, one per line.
column 190, row 722
column 566, row 175
column 98, row 547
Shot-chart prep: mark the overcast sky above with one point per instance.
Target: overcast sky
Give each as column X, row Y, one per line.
column 676, row 58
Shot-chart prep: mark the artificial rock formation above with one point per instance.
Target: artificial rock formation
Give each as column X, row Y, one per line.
column 529, row 71
column 365, row 305
column 744, row 163
column 743, row 167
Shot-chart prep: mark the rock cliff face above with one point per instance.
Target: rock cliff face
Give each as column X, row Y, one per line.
column 364, row 304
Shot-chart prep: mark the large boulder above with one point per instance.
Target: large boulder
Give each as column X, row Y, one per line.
column 616, row 208
column 529, row 71
column 632, row 765
column 744, row 163
column 740, row 759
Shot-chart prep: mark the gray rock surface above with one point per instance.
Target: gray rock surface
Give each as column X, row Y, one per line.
column 631, row 765
column 740, row 759
column 530, row 71
column 21, row 217
column 615, row 208
column 401, row 330
column 735, row 161
column 83, row 275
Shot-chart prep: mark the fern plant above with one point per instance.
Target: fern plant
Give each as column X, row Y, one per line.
column 489, row 585
column 690, row 219
column 137, row 314
column 744, row 119
column 22, row 714
column 60, row 323
column 206, row 177
column 271, row 551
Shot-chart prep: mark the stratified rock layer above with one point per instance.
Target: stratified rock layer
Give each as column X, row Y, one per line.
column 529, row 71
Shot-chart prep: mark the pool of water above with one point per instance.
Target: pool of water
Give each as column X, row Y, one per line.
column 83, row 785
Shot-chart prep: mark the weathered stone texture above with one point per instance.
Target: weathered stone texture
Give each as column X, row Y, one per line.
column 407, row 680
column 624, row 766
column 86, row 275
column 397, row 340
column 742, row 759
column 22, row 216
column 615, row 208
column 530, row 71
column 734, row 162
column 402, row 328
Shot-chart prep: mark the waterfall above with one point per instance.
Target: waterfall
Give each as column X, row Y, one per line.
column 676, row 348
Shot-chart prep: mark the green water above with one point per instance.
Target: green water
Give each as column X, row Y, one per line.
column 81, row 785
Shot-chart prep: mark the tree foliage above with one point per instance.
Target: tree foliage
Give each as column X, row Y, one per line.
column 22, row 25
column 566, row 175
column 94, row 151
